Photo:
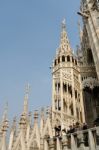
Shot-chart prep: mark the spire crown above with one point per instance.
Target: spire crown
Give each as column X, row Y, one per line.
column 5, row 112
column 64, row 25
column 27, row 89
column 36, row 116
column 4, row 124
column 64, row 42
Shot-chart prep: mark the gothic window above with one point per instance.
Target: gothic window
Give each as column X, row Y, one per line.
column 77, row 112
column 71, row 109
column 55, row 86
column 81, row 117
column 70, row 90
column 68, row 58
column 79, row 97
column 68, row 87
column 55, row 104
column 72, row 59
column 64, row 88
column 75, row 93
column 63, row 58
column 64, row 106
column 58, row 87
column 59, row 105
column 75, row 62
column 58, row 59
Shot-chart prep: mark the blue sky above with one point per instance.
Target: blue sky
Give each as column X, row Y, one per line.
column 29, row 37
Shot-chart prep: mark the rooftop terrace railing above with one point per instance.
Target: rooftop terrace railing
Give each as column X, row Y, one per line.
column 80, row 140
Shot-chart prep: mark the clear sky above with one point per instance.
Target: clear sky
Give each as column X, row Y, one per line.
column 29, row 37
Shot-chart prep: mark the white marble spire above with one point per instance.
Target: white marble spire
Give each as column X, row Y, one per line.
column 64, row 41
column 27, row 89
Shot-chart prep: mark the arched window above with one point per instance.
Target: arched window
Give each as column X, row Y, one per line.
column 58, row 59
column 64, row 105
column 72, row 59
column 70, row 90
column 55, row 104
column 75, row 62
column 68, row 58
column 64, row 87
column 63, row 58
column 81, row 117
column 58, row 87
column 75, row 93
column 71, row 109
column 77, row 112
column 59, row 105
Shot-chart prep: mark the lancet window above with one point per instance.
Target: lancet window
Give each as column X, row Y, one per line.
column 64, row 105
column 68, row 58
column 59, row 105
column 63, row 58
column 58, row 59
column 71, row 109
column 64, row 87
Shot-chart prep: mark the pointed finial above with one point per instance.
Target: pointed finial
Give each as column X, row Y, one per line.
column 14, row 123
column 64, row 24
column 5, row 112
column 42, row 112
column 35, row 115
column 29, row 117
column 48, row 111
column 27, row 89
column 4, row 125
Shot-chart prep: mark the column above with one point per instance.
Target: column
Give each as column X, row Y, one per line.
column 58, row 144
column 91, row 140
column 80, row 137
column 41, row 144
column 46, row 145
column 73, row 144
column 64, row 142
column 51, row 144
column 61, row 98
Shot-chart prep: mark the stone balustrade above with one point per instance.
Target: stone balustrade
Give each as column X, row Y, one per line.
column 80, row 140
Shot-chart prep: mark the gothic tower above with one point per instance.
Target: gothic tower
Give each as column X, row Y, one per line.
column 89, row 58
column 67, row 101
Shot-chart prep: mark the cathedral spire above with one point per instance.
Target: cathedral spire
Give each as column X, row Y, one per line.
column 64, row 42
column 64, row 25
column 5, row 112
column 4, row 124
column 26, row 98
